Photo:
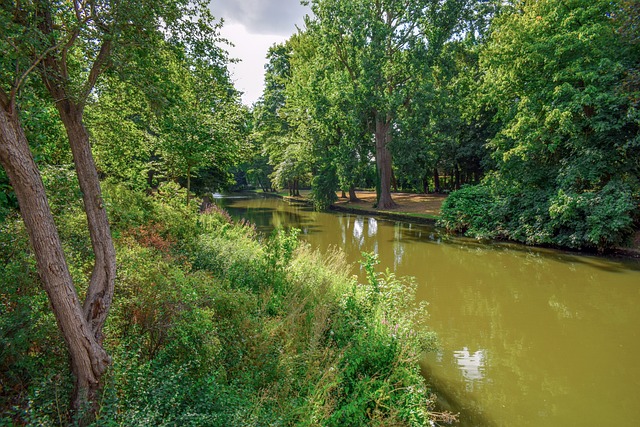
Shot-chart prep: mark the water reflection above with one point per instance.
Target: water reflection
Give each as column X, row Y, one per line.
column 373, row 227
column 398, row 245
column 358, row 235
column 471, row 365
column 528, row 336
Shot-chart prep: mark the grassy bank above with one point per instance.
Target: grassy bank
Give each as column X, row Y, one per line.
column 215, row 325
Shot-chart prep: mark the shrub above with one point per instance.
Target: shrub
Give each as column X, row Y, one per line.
column 471, row 210
column 222, row 328
column 598, row 219
column 34, row 376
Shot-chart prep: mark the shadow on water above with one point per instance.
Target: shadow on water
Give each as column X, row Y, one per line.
column 419, row 233
column 249, row 212
column 283, row 214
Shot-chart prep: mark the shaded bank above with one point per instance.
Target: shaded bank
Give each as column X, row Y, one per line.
column 425, row 209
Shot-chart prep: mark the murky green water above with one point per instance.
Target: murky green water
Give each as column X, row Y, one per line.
column 528, row 337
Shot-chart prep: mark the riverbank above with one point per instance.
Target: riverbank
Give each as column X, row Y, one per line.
column 214, row 324
column 420, row 208
column 423, row 209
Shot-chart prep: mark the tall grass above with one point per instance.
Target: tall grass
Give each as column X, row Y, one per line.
column 215, row 325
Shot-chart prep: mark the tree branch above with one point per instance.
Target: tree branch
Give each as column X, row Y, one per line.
column 64, row 72
column 20, row 81
column 96, row 70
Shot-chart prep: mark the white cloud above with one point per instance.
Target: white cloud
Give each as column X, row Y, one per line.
column 253, row 26
column 252, row 50
column 270, row 17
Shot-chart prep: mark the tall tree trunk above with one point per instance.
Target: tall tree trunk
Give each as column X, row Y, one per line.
column 353, row 197
column 394, row 181
column 88, row 358
column 383, row 161
column 425, row 184
column 264, row 190
column 101, row 286
column 80, row 326
column 100, row 290
column 436, row 180
column 343, row 195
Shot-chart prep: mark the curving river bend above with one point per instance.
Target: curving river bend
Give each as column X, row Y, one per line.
column 529, row 337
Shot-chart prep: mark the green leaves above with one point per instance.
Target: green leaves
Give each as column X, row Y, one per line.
column 566, row 158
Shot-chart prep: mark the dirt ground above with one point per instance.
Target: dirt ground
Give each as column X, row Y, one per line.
column 428, row 204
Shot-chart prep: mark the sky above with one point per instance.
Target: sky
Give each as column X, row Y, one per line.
column 253, row 26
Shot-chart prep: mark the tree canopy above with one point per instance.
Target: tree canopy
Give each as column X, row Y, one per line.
column 566, row 154
column 532, row 103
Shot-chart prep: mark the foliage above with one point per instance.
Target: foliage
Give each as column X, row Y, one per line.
column 470, row 210
column 33, row 360
column 378, row 56
column 272, row 130
column 213, row 324
column 292, row 167
column 8, row 200
column 567, row 155
column 124, row 133
column 324, row 184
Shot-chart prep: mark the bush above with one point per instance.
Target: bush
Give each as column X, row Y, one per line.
column 470, row 210
column 597, row 219
column 34, row 376
column 212, row 324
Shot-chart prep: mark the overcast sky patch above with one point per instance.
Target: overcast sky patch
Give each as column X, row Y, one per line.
column 253, row 26
column 274, row 17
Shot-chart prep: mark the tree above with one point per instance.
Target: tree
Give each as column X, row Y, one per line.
column 272, row 129
column 124, row 133
column 567, row 155
column 201, row 127
column 323, row 110
column 383, row 46
column 70, row 45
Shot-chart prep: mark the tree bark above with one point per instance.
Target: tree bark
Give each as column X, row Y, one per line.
column 436, row 180
column 383, row 161
column 394, row 181
column 101, row 286
column 353, row 197
column 55, row 76
column 100, row 290
column 88, row 359
column 296, row 187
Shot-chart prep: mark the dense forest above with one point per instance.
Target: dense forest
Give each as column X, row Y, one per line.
column 123, row 303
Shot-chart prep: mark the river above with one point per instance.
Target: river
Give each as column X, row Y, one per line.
column 528, row 337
